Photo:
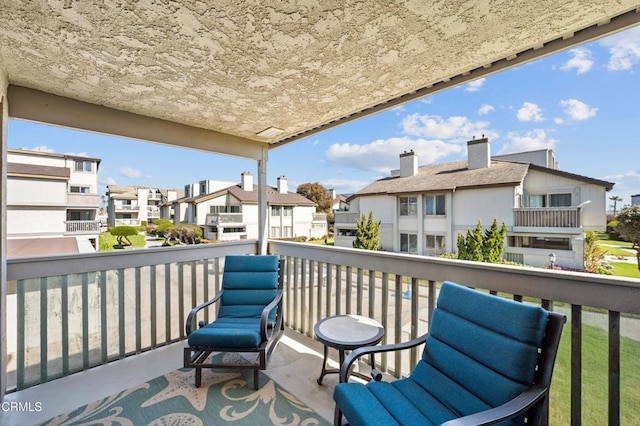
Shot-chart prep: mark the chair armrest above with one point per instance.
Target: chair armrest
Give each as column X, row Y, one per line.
column 514, row 408
column 353, row 356
column 265, row 315
column 190, row 325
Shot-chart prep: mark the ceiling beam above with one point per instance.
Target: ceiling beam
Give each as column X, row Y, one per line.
column 42, row 107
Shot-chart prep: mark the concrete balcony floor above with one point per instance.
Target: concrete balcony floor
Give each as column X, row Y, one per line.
column 295, row 365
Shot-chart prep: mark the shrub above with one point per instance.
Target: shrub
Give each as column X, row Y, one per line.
column 122, row 234
column 611, row 230
column 184, row 234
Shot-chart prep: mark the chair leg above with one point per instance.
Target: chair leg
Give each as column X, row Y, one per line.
column 198, row 376
column 256, row 379
column 337, row 417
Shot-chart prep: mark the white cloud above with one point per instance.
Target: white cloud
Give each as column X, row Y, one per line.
column 530, row 112
column 109, row 181
column 130, row 172
column 577, row 110
column 476, row 85
column 530, row 141
column 77, row 154
column 581, row 61
column 558, row 120
column 382, row 155
column 40, row 148
column 624, row 49
column 485, row 109
column 452, row 128
column 343, row 186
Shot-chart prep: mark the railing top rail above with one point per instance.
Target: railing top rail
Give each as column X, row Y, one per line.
column 48, row 266
column 600, row 291
column 545, row 209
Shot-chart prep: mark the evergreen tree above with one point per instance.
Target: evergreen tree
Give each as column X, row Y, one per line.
column 482, row 246
column 368, row 233
column 493, row 243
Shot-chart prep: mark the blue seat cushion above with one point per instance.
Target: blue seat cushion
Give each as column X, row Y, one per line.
column 228, row 333
column 481, row 352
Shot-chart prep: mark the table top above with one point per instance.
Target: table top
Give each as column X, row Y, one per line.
column 348, row 331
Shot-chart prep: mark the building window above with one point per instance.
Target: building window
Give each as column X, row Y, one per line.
column 408, row 206
column 347, row 232
column 275, row 232
column 550, row 200
column 540, row 242
column 434, row 205
column 203, row 188
column 224, row 209
column 408, row 243
column 287, row 231
column 287, row 211
column 80, row 189
column 434, row 244
column 83, row 166
column 276, row 211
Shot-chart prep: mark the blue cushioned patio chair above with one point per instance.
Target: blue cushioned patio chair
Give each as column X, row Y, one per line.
column 249, row 316
column 486, row 360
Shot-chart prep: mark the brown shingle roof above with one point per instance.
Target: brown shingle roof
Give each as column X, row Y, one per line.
column 37, row 171
column 273, row 196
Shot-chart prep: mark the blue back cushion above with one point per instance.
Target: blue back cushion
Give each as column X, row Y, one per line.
column 481, row 351
column 249, row 283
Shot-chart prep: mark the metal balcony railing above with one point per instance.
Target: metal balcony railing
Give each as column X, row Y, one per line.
column 75, row 312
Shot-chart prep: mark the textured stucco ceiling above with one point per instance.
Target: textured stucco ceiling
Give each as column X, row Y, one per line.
column 238, row 67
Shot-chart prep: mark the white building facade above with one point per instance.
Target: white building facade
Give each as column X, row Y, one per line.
column 52, row 196
column 422, row 210
column 231, row 212
column 135, row 205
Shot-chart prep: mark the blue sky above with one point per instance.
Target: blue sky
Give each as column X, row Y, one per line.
column 583, row 103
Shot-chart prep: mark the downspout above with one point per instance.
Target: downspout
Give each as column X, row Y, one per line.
column 4, row 123
column 262, row 201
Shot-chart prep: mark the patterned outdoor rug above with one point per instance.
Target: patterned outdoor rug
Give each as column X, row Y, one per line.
column 225, row 397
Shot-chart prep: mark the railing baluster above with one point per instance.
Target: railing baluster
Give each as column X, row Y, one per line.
column 432, row 300
column 181, row 317
column 384, row 316
column 311, row 298
column 121, row 324
column 348, row 290
column 303, row 295
column 153, row 300
column 167, row 302
column 104, row 327
column 576, row 365
column 138, row 302
column 359, row 291
column 64, row 305
column 295, row 294
column 44, row 316
column 338, row 289
column 320, row 286
column 85, row 321
column 614, row 368
column 372, row 293
column 21, row 349
column 397, row 331
column 289, row 291
column 415, row 298
column 205, row 289
column 194, row 285
column 328, row 310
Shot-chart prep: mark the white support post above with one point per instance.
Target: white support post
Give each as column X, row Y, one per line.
column 4, row 122
column 263, row 227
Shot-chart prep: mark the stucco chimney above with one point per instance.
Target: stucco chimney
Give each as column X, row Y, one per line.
column 408, row 164
column 247, row 181
column 479, row 154
column 282, row 185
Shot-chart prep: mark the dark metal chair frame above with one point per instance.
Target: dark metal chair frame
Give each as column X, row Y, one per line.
column 196, row 356
column 534, row 402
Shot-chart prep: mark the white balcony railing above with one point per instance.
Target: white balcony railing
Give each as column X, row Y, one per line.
column 547, row 217
column 75, row 199
column 221, row 218
column 82, row 226
column 347, row 218
column 110, row 305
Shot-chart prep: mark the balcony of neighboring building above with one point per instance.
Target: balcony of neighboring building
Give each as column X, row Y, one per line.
column 76, row 199
column 224, row 215
column 533, row 219
column 126, row 207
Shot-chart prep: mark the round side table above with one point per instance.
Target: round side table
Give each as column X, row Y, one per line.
column 346, row 333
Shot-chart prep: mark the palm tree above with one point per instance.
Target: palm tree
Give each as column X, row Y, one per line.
column 615, row 200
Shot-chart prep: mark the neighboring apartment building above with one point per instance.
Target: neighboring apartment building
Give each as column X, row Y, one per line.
column 52, row 196
column 423, row 209
column 231, row 212
column 132, row 205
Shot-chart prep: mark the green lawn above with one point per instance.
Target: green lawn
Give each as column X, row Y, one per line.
column 108, row 242
column 624, row 269
column 595, row 380
column 616, row 250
